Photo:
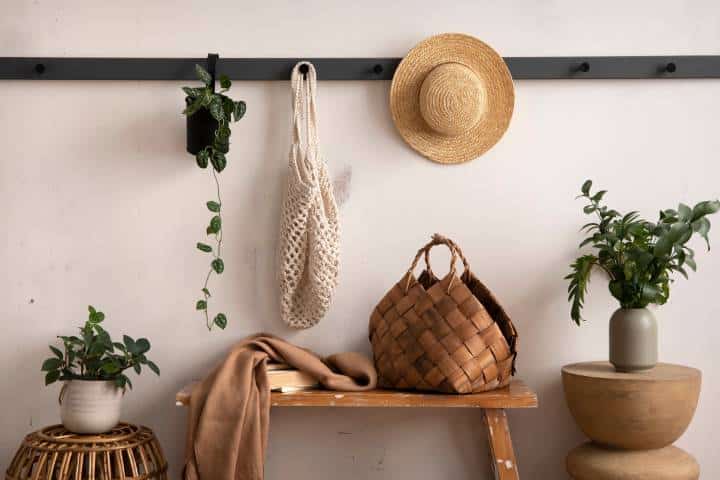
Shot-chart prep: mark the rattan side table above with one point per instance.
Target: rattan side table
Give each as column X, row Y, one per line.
column 128, row 452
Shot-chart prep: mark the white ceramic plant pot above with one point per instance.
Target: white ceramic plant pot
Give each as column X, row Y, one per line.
column 90, row 406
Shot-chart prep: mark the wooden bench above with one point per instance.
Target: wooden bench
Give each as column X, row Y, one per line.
column 493, row 405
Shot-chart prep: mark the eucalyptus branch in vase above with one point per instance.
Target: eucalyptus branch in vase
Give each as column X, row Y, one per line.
column 222, row 110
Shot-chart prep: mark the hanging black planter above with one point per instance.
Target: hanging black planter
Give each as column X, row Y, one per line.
column 201, row 128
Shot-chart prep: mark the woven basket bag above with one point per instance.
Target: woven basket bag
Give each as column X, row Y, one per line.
column 447, row 335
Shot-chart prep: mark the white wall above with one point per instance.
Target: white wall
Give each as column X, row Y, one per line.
column 101, row 205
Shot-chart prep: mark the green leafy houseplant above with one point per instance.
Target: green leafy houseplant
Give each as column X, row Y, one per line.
column 638, row 256
column 223, row 110
column 93, row 355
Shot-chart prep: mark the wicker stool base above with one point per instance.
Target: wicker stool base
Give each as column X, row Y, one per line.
column 127, row 452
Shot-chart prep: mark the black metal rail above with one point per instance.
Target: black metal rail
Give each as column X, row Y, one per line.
column 522, row 68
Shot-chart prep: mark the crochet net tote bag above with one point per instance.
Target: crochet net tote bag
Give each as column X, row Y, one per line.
column 309, row 247
column 447, row 335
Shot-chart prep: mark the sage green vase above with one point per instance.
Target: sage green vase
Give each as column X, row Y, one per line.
column 633, row 339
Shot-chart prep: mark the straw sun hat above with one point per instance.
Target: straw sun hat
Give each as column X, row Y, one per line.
column 452, row 98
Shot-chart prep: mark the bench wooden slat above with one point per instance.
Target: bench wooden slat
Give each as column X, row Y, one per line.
column 515, row 395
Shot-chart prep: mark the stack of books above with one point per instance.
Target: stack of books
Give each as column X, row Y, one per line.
column 283, row 378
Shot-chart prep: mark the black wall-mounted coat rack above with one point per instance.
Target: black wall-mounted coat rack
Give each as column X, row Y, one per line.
column 522, row 68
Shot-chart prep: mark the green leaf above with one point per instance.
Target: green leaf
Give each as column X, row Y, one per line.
column 690, row 262
column 239, row 111
column 629, row 270
column 215, row 224
column 153, row 367
column 579, row 278
column 228, row 107
column 616, row 289
column 202, row 158
column 207, row 97
column 684, row 213
column 203, row 75
column 91, row 309
column 213, row 206
column 143, row 345
column 598, row 196
column 702, row 226
column 225, row 82
column 192, row 92
column 122, row 381
column 705, row 208
column 586, row 187
column 216, row 109
column 649, row 294
column 589, row 209
column 222, row 134
column 51, row 364
column 586, row 241
column 57, row 352
column 137, row 368
column 110, row 367
column 196, row 105
column 204, row 247
column 52, row 377
column 201, row 305
column 206, row 291
column 220, row 320
column 666, row 241
column 219, row 161
column 218, row 265
column 131, row 345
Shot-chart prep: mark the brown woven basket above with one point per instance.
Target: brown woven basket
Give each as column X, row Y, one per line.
column 449, row 335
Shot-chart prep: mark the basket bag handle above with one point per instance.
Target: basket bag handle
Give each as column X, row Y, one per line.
column 451, row 245
column 455, row 252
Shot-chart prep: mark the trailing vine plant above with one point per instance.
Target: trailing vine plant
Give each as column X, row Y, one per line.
column 638, row 256
column 224, row 110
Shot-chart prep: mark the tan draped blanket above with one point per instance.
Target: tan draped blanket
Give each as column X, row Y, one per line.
column 230, row 410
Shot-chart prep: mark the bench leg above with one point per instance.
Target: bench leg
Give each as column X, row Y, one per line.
column 502, row 455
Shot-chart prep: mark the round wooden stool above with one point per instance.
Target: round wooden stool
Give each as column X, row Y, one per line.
column 592, row 462
column 633, row 419
column 128, row 451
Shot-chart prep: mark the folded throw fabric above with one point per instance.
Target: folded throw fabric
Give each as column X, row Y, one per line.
column 230, row 410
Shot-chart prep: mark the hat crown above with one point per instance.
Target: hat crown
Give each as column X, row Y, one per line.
column 453, row 99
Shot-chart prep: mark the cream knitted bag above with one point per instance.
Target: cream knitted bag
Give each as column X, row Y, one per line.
column 309, row 230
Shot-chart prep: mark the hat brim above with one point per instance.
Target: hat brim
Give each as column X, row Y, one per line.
column 405, row 93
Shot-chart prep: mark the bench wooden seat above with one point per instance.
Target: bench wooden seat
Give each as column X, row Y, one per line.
column 492, row 403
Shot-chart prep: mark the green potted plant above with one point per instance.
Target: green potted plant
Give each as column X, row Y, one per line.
column 209, row 114
column 639, row 258
column 93, row 369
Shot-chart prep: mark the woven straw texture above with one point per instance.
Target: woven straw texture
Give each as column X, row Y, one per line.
column 309, row 247
column 448, row 335
column 127, row 452
column 452, row 98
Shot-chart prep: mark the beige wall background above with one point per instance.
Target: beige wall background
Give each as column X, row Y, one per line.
column 101, row 205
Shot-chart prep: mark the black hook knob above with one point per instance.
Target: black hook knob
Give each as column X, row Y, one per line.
column 670, row 67
column 40, row 68
column 304, row 69
column 378, row 69
column 584, row 67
